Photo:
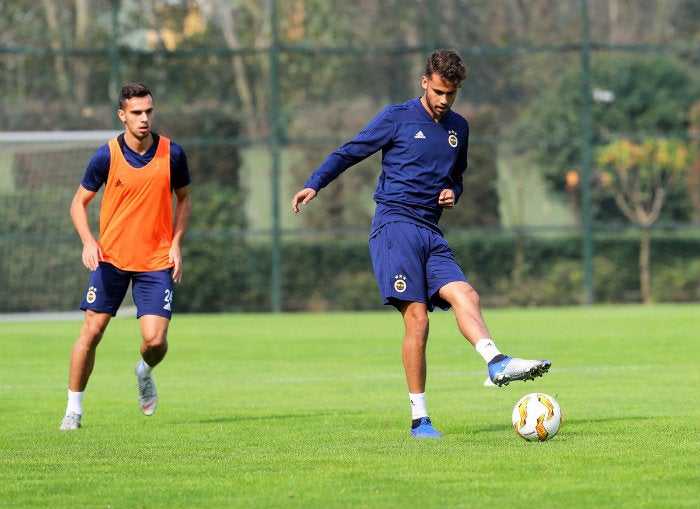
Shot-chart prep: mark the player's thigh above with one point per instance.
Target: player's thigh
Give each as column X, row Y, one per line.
column 460, row 296
column 93, row 327
column 154, row 329
column 398, row 260
column 442, row 270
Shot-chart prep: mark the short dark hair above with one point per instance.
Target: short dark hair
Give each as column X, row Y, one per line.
column 133, row 90
column 448, row 65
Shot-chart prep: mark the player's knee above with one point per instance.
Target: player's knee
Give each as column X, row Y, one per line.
column 156, row 341
column 466, row 300
column 417, row 322
column 91, row 333
column 154, row 331
column 472, row 295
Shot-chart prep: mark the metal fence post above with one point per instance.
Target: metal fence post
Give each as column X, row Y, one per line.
column 276, row 275
column 586, row 156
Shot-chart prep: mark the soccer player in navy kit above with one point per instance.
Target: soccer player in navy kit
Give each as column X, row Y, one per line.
column 424, row 154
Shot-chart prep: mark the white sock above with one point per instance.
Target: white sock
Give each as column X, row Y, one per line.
column 75, row 403
column 418, row 408
column 143, row 369
column 487, row 349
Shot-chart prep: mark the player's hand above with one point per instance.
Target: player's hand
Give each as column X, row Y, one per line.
column 175, row 257
column 447, row 199
column 92, row 254
column 304, row 196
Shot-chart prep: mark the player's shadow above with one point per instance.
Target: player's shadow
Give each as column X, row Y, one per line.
column 269, row 417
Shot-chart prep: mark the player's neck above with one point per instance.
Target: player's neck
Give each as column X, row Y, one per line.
column 432, row 114
column 138, row 145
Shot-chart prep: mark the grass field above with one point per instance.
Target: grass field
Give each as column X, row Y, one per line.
column 311, row 411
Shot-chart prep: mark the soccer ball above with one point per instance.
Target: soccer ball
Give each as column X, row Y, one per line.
column 537, row 416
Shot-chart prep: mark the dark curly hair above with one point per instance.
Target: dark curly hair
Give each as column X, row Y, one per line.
column 448, row 65
column 133, row 90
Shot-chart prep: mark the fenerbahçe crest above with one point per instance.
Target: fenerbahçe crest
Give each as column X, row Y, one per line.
column 91, row 295
column 400, row 283
column 452, row 138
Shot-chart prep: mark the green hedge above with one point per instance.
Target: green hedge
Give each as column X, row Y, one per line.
column 336, row 274
column 227, row 271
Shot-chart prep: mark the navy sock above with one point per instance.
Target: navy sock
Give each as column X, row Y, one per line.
column 498, row 358
column 416, row 422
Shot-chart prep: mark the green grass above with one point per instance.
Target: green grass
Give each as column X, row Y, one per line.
column 311, row 411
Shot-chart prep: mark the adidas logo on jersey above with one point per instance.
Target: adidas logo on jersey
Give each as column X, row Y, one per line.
column 419, row 136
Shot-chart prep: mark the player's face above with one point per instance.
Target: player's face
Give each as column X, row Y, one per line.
column 438, row 95
column 137, row 115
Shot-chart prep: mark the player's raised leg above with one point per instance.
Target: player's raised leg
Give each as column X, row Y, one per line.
column 503, row 369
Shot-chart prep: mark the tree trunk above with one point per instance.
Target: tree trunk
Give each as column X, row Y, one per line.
column 694, row 190
column 518, row 260
column 54, row 34
column 81, row 66
column 644, row 268
column 240, row 77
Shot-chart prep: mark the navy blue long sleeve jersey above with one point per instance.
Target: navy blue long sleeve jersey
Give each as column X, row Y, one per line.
column 420, row 158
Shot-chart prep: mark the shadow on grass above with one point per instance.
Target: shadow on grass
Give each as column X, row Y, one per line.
column 271, row 417
column 568, row 423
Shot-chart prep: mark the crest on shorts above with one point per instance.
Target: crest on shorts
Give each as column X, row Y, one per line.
column 452, row 138
column 399, row 283
column 91, row 295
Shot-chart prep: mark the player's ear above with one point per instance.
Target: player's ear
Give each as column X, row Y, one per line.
column 424, row 82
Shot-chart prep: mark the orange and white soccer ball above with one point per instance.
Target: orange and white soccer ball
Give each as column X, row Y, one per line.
column 537, row 417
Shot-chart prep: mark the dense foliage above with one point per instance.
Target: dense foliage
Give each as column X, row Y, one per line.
column 227, row 271
column 638, row 97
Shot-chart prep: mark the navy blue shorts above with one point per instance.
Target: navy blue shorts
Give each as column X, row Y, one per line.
column 152, row 291
column 412, row 263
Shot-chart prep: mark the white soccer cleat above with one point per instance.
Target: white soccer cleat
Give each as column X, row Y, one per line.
column 508, row 369
column 70, row 421
column 148, row 396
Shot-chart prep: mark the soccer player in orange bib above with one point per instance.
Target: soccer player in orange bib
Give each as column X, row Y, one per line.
column 139, row 243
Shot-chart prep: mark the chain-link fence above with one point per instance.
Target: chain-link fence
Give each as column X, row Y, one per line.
column 259, row 92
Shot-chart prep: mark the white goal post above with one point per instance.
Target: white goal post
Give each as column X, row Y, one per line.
column 26, row 142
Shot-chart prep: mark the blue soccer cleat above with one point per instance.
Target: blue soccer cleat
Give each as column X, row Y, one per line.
column 425, row 429
column 507, row 369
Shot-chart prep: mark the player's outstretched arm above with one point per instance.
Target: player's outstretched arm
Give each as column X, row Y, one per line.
column 302, row 197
